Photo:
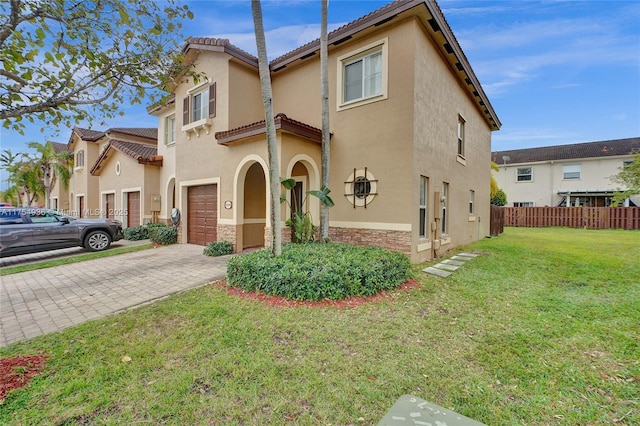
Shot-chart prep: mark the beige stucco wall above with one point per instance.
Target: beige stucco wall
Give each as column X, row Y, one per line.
column 376, row 135
column 243, row 96
column 167, row 173
column 435, row 155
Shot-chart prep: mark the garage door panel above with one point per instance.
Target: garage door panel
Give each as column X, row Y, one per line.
column 202, row 214
column 133, row 209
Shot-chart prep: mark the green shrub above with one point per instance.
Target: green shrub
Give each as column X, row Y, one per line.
column 164, row 235
column 136, row 233
column 153, row 228
column 218, row 248
column 319, row 271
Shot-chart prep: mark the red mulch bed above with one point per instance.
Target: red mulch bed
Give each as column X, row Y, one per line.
column 16, row 371
column 279, row 301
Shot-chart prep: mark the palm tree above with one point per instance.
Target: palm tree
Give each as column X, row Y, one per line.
column 51, row 166
column 23, row 178
column 272, row 147
column 326, row 132
column 7, row 162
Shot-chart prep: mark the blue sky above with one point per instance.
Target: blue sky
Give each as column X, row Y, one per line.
column 556, row 72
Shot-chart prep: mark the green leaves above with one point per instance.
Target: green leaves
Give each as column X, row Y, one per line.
column 86, row 54
column 319, row 271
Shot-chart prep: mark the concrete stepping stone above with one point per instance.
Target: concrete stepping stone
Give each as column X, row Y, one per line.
column 437, row 272
column 468, row 254
column 452, row 262
column 463, row 258
column 446, row 267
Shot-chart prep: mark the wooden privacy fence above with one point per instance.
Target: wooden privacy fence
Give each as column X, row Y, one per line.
column 497, row 220
column 574, row 217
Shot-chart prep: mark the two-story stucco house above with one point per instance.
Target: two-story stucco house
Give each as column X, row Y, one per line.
column 116, row 174
column 564, row 175
column 410, row 148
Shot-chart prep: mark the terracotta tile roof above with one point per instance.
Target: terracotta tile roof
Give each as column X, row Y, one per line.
column 87, row 134
column 142, row 153
column 282, row 122
column 221, row 45
column 144, row 132
column 59, row 147
column 609, row 148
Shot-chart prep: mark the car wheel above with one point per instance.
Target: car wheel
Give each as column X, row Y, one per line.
column 97, row 241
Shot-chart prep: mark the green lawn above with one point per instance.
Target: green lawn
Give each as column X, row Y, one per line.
column 542, row 329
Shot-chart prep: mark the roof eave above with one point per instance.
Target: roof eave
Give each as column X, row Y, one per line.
column 282, row 123
column 460, row 65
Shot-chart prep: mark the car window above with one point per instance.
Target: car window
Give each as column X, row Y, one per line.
column 40, row 216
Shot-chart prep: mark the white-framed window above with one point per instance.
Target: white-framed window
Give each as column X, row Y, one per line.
column 424, row 190
column 79, row 158
column 170, row 130
column 524, row 174
column 523, row 204
column 200, row 104
column 362, row 75
column 571, row 171
column 472, row 197
column 461, row 122
column 445, row 201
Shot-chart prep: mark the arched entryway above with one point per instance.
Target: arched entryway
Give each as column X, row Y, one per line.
column 254, row 201
column 305, row 172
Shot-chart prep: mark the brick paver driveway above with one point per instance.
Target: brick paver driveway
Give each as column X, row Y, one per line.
column 47, row 300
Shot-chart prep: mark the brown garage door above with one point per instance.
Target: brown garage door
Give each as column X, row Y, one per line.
column 202, row 214
column 133, row 209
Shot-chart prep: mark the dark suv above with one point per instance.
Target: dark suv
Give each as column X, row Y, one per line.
column 29, row 230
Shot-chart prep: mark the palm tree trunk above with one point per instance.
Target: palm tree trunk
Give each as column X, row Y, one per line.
column 326, row 133
column 272, row 147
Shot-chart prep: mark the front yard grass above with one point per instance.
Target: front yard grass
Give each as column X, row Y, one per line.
column 541, row 329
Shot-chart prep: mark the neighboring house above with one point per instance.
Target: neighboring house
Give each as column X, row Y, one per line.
column 129, row 173
column 410, row 148
column 115, row 174
column 59, row 196
column 564, row 175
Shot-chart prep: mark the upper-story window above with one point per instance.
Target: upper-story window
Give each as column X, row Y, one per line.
column 524, row 174
column 571, row 171
column 200, row 104
column 362, row 75
column 460, row 136
column 170, row 130
column 80, row 158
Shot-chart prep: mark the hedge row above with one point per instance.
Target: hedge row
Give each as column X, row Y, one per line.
column 317, row 271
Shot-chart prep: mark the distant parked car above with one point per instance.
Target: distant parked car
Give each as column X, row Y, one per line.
column 29, row 230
